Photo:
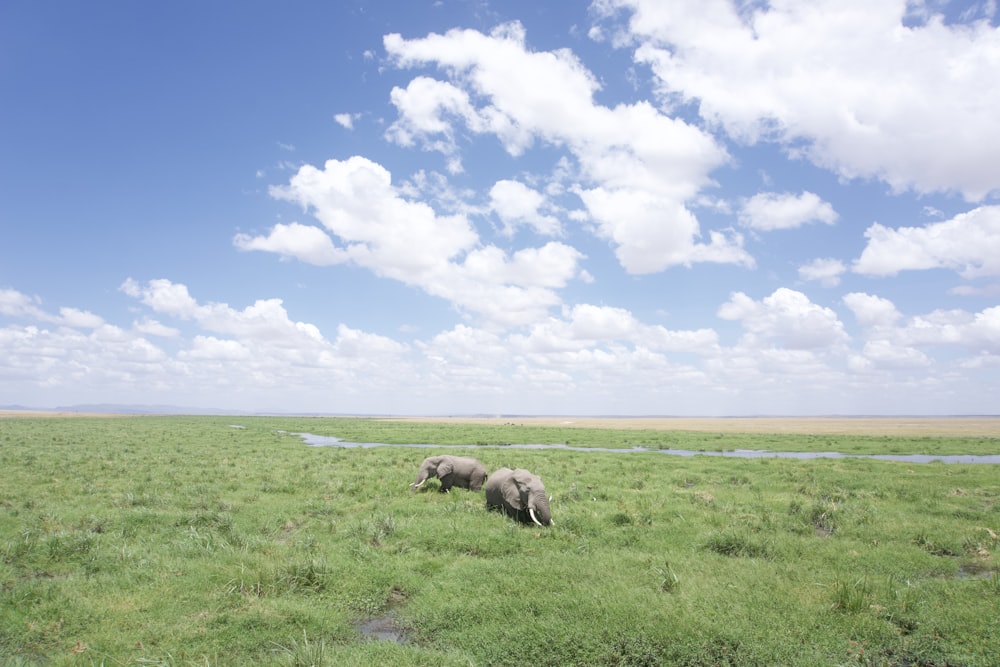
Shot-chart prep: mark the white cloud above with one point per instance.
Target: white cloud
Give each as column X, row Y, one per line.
column 826, row 271
column 792, row 350
column 398, row 238
column 216, row 349
column 632, row 158
column 596, row 334
column 80, row 319
column 364, row 347
column 407, row 240
column 265, row 320
column 468, row 347
column 976, row 331
column 346, row 120
column 424, row 107
column 548, row 266
column 969, row 243
column 894, row 341
column 151, row 327
column 516, row 204
column 163, row 296
column 767, row 211
column 785, row 319
column 990, row 290
column 872, row 311
column 239, row 356
column 16, row 304
column 883, row 354
column 602, row 322
column 855, row 87
column 651, row 233
column 306, row 243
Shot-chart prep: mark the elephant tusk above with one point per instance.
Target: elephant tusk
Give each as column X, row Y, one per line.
column 417, row 486
column 532, row 513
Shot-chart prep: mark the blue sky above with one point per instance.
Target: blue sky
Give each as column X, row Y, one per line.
column 624, row 207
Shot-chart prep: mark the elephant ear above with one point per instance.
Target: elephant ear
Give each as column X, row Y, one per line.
column 512, row 490
column 445, row 467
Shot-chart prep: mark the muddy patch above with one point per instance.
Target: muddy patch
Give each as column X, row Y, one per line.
column 383, row 629
column 387, row 627
column 975, row 571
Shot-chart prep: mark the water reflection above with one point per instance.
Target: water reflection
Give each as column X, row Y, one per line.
column 328, row 441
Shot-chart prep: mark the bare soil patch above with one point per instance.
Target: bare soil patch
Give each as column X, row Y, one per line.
column 900, row 426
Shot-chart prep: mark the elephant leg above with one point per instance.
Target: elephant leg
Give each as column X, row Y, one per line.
column 476, row 483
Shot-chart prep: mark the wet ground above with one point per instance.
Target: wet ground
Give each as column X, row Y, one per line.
column 385, row 628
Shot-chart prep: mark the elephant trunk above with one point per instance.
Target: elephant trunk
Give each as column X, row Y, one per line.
column 538, row 510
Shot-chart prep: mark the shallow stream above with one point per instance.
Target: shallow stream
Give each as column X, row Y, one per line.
column 328, row 441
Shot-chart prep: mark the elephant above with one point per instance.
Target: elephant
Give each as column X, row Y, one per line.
column 461, row 471
column 520, row 494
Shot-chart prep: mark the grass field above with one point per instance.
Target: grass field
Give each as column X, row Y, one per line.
column 227, row 541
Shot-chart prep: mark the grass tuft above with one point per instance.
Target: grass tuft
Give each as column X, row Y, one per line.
column 851, row 596
column 739, row 544
column 303, row 653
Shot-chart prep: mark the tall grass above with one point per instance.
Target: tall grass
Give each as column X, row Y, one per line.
column 185, row 541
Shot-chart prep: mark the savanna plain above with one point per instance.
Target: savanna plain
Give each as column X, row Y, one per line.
column 178, row 540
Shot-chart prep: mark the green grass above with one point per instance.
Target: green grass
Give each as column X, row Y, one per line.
column 184, row 541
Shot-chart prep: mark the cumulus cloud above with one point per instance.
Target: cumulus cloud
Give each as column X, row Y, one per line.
column 789, row 346
column 872, row 92
column 871, row 310
column 516, row 204
column 893, row 341
column 17, row 304
column 266, row 319
column 767, row 211
column 969, row 243
column 81, row 319
column 626, row 154
column 426, row 108
column 404, row 239
column 256, row 348
column 346, row 120
column 785, row 319
column 882, row 354
column 825, row 270
column 305, row 243
column 150, row 327
column 591, row 331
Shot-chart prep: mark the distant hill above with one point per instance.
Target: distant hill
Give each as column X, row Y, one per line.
column 118, row 408
column 132, row 409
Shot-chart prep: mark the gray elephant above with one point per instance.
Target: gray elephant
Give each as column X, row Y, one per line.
column 461, row 471
column 520, row 494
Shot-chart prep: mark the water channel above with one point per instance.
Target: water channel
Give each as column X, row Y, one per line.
column 328, row 441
